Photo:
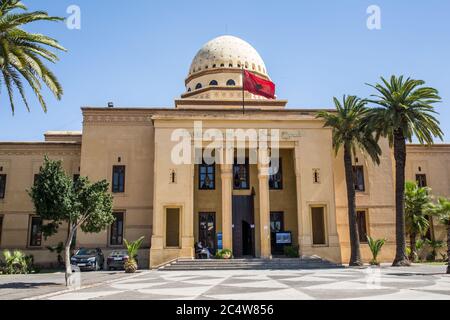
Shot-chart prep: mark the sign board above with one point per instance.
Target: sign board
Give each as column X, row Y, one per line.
column 284, row 238
column 219, row 241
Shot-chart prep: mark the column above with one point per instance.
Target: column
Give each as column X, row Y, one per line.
column 264, row 206
column 301, row 222
column 227, row 205
column 187, row 227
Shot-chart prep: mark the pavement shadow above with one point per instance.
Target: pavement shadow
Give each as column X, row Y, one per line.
column 25, row 285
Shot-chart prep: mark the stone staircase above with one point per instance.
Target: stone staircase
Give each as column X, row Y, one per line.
column 250, row 264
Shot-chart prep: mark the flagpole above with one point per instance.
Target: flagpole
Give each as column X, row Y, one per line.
column 243, row 92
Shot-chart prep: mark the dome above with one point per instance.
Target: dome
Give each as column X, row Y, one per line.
column 228, row 52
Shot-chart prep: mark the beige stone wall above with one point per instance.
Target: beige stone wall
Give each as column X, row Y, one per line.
column 378, row 201
column 20, row 162
column 434, row 162
column 115, row 137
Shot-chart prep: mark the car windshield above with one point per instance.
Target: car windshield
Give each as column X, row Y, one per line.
column 86, row 252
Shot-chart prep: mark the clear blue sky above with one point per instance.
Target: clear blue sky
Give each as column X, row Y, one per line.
column 137, row 53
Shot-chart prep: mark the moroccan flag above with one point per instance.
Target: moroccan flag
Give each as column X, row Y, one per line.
column 258, row 86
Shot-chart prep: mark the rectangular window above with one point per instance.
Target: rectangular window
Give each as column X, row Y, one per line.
column 35, row 179
column 276, row 179
column 358, row 178
column 318, row 225
column 241, row 176
column 116, row 234
column 1, row 229
column 2, row 186
column 361, row 219
column 421, row 180
column 173, row 227
column 118, row 180
column 207, row 176
column 35, row 232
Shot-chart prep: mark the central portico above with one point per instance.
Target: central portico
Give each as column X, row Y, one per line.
column 235, row 204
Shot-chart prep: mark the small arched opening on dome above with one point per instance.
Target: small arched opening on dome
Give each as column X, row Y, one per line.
column 214, row 66
column 189, row 90
column 206, row 67
column 230, row 65
column 198, row 86
column 213, row 83
column 231, row 82
column 253, row 67
column 222, row 65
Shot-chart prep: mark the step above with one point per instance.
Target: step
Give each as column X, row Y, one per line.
column 249, row 264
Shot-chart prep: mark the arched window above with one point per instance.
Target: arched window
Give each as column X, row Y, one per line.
column 222, row 65
column 198, row 86
column 189, row 90
column 231, row 82
column 213, row 83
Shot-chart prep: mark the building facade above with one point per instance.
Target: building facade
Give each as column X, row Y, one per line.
column 224, row 205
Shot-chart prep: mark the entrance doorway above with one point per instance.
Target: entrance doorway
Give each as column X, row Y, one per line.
column 243, row 226
column 207, row 230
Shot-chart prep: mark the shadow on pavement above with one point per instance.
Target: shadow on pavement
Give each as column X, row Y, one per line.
column 24, row 285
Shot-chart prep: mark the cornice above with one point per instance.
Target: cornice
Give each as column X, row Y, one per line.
column 40, row 148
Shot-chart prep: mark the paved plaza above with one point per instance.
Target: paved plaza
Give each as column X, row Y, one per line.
column 417, row 282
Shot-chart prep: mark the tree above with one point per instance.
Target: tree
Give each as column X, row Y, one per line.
column 442, row 209
column 22, row 54
column 404, row 108
column 80, row 204
column 349, row 134
column 417, row 213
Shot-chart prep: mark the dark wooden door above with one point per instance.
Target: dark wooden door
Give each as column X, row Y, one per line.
column 243, row 226
column 207, row 230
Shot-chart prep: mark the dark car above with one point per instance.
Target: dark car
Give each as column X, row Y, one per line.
column 88, row 259
column 116, row 260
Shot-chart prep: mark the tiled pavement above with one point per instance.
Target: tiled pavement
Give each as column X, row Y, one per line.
column 418, row 282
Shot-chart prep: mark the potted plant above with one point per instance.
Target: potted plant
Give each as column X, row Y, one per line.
column 375, row 247
column 224, row 254
column 131, row 265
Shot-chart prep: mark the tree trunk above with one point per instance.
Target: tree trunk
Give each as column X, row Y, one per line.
column 448, row 248
column 70, row 279
column 355, row 256
column 412, row 244
column 400, row 161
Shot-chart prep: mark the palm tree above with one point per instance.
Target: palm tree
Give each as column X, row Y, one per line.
column 405, row 108
column 417, row 212
column 22, row 54
column 442, row 209
column 349, row 134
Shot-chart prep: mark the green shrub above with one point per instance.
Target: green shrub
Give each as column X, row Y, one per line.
column 375, row 246
column 224, row 254
column 17, row 262
column 291, row 252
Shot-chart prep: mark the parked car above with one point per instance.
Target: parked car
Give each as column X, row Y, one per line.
column 88, row 259
column 116, row 260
